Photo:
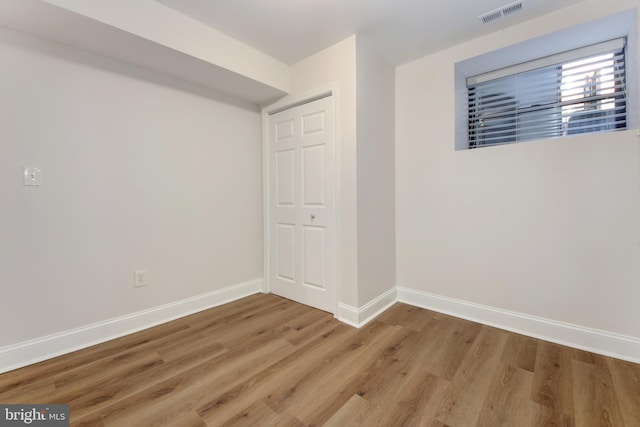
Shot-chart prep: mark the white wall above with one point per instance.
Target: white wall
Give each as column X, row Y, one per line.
column 546, row 228
column 150, row 20
column 365, row 110
column 336, row 66
column 375, row 174
column 141, row 171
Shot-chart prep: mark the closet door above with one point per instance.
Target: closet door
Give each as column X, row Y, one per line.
column 302, row 209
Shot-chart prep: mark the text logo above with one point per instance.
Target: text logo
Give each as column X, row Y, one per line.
column 34, row 415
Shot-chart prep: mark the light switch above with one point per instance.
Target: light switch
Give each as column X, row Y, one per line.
column 32, row 176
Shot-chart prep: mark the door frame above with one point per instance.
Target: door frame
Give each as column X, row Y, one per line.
column 291, row 101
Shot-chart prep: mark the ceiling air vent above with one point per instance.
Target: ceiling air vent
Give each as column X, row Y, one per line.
column 500, row 12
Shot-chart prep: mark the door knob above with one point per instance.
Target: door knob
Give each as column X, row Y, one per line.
column 312, row 217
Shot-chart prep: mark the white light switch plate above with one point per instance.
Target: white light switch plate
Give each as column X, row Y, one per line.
column 32, row 176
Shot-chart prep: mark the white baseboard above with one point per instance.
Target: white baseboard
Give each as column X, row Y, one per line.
column 593, row 340
column 597, row 341
column 358, row 317
column 33, row 351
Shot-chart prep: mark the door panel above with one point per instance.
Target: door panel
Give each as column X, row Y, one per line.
column 312, row 123
column 284, row 130
column 286, row 254
column 314, row 251
column 302, row 246
column 285, row 173
column 313, row 166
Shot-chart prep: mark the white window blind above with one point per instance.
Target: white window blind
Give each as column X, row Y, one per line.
column 580, row 91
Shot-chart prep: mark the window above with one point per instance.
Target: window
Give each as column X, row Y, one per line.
column 580, row 91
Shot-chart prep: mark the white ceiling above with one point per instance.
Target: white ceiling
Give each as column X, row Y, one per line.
column 399, row 30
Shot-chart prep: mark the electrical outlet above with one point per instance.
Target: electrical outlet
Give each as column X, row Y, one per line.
column 140, row 278
column 32, row 176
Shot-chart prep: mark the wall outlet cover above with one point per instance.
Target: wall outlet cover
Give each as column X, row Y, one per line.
column 140, row 278
column 32, row 176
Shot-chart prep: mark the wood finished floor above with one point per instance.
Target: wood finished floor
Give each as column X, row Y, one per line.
column 267, row 361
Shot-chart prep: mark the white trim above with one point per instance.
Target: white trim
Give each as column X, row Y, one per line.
column 304, row 101
column 266, row 217
column 358, row 317
column 348, row 314
column 593, row 340
column 597, row 341
column 290, row 101
column 39, row 349
column 337, row 192
column 558, row 58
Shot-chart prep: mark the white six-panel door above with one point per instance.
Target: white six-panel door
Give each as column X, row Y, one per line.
column 301, row 196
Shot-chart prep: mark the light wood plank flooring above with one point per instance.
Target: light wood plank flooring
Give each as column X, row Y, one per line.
column 267, row 361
